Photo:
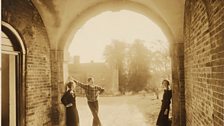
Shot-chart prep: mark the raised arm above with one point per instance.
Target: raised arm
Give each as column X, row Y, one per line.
column 84, row 86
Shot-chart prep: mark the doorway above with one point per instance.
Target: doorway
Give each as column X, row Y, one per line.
column 8, row 90
column 12, row 87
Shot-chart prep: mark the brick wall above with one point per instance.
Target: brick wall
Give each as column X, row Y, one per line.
column 204, row 62
column 23, row 16
column 178, row 101
column 178, row 96
column 58, row 88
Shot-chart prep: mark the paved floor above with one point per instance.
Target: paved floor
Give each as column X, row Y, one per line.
column 122, row 111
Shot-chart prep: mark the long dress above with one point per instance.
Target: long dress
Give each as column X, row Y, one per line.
column 163, row 119
column 72, row 117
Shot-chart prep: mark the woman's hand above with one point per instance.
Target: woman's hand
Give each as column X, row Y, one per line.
column 166, row 112
column 69, row 105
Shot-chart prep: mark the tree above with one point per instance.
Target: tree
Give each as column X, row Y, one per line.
column 138, row 64
column 115, row 56
column 160, row 66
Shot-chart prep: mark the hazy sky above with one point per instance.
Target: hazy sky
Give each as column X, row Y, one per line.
column 90, row 40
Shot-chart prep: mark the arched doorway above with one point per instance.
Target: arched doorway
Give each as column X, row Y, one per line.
column 12, row 74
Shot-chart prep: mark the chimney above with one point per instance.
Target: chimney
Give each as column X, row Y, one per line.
column 76, row 60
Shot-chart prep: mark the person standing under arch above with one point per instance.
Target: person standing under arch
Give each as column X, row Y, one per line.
column 163, row 118
column 68, row 99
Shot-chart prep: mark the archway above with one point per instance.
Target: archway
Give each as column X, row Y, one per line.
column 82, row 80
column 92, row 11
column 176, row 44
column 12, row 74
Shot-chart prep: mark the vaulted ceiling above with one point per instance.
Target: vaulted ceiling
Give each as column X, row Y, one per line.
column 63, row 18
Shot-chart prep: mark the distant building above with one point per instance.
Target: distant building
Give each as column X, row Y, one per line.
column 103, row 74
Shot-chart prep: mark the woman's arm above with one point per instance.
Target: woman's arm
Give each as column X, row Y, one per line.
column 84, row 86
column 64, row 99
column 167, row 102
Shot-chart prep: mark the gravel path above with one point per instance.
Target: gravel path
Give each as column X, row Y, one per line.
column 135, row 110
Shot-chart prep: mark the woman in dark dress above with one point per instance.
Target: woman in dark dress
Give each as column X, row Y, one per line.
column 68, row 99
column 163, row 119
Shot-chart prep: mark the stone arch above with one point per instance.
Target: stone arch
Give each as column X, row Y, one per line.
column 98, row 8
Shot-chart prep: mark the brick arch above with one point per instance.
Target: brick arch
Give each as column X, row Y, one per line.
column 11, row 32
column 8, row 16
column 98, row 8
column 208, row 10
column 187, row 16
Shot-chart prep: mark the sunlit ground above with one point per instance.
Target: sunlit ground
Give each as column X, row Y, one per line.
column 135, row 110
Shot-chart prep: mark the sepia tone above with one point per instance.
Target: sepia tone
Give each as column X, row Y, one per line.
column 36, row 35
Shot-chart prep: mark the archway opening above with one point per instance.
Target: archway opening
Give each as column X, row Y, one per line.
column 95, row 52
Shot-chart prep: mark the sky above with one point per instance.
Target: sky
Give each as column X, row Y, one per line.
column 90, row 40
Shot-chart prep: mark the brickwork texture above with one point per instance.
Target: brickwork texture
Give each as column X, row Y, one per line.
column 204, row 62
column 23, row 16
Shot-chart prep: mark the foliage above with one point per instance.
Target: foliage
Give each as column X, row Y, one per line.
column 115, row 56
column 160, row 67
column 138, row 66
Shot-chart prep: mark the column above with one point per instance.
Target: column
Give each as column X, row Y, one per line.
column 57, row 83
column 178, row 98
